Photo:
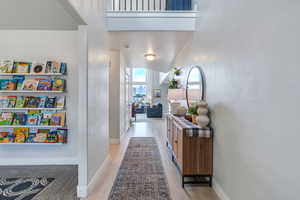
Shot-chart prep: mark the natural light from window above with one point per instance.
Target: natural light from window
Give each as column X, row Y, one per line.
column 139, row 75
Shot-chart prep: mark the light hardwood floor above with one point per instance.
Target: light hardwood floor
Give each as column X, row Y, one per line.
column 148, row 128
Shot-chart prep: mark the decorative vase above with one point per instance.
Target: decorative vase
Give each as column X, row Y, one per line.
column 194, row 117
column 202, row 111
column 202, row 120
column 181, row 111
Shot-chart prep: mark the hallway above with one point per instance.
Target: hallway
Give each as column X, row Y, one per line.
column 148, row 128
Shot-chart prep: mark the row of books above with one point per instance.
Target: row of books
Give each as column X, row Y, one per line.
column 53, row 67
column 32, row 102
column 38, row 84
column 26, row 135
column 33, row 118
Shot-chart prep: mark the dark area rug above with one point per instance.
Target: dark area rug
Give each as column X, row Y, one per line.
column 22, row 188
column 141, row 175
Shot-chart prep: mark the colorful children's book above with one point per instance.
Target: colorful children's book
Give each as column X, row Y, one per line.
column 60, row 102
column 20, row 134
column 6, row 66
column 20, row 118
column 19, row 81
column 55, row 67
column 50, row 102
column 38, row 68
column 22, row 67
column 41, row 136
column 7, row 84
column 44, row 84
column 58, row 119
column 32, row 102
column 30, row 84
column 12, row 101
column 63, row 68
column 4, row 102
column 55, row 120
column 3, row 137
column 20, row 102
column 43, row 100
column 33, row 119
column 58, row 84
column 52, row 137
column 31, row 136
column 6, row 118
column 62, row 135
column 46, row 118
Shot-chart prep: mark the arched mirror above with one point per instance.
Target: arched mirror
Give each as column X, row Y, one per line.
column 195, row 87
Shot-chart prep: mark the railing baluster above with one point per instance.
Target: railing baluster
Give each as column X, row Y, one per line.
column 125, row 5
column 160, row 5
column 148, row 4
column 119, row 5
column 154, row 4
column 113, row 5
column 137, row 5
column 130, row 5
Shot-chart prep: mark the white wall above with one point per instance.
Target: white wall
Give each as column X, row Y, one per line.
column 249, row 51
column 43, row 46
column 98, row 62
column 114, row 97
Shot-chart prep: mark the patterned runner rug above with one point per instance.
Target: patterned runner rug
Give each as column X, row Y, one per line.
column 141, row 175
column 22, row 188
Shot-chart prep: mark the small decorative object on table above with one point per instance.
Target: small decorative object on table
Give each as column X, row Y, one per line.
column 202, row 111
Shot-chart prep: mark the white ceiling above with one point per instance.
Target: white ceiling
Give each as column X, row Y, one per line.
column 38, row 14
column 165, row 45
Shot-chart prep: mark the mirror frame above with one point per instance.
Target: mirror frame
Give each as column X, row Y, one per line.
column 203, row 82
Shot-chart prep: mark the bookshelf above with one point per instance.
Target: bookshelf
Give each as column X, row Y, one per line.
column 48, row 94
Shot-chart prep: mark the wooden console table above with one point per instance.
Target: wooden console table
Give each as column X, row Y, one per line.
column 192, row 150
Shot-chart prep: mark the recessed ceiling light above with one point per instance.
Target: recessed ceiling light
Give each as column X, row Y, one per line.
column 150, row 56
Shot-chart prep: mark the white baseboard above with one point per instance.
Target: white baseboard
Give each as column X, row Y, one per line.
column 114, row 141
column 37, row 161
column 219, row 190
column 83, row 191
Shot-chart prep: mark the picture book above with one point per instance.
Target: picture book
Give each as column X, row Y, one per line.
column 4, row 137
column 63, row 68
column 20, row 134
column 46, row 117
column 52, row 137
column 19, row 81
column 62, row 135
column 6, row 84
column 33, row 119
column 4, row 102
column 60, row 102
column 58, row 84
column 22, row 67
column 38, row 68
column 41, row 136
column 6, row 118
column 30, row 84
column 12, row 101
column 6, row 66
column 55, row 120
column 48, row 67
column 44, row 84
column 20, row 102
column 50, row 102
column 43, row 100
column 58, row 119
column 32, row 102
column 31, row 136
column 20, row 118
column 55, row 67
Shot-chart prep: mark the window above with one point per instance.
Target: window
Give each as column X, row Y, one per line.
column 139, row 75
column 139, row 84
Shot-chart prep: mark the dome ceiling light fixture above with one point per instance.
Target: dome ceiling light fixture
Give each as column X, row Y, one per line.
column 150, row 56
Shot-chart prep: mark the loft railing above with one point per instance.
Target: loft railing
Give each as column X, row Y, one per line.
column 149, row 5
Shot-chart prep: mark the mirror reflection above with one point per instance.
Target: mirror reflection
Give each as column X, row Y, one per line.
column 195, row 86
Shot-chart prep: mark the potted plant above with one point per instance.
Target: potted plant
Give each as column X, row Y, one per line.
column 193, row 111
column 177, row 71
column 173, row 84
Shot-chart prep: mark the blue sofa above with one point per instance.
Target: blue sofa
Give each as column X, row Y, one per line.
column 155, row 111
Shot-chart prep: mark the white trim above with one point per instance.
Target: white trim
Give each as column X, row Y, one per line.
column 37, row 161
column 147, row 14
column 82, row 191
column 219, row 190
column 114, row 140
column 95, row 179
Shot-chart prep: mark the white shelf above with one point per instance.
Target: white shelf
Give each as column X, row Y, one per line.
column 30, row 74
column 33, row 144
column 26, row 126
column 31, row 108
column 28, row 91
